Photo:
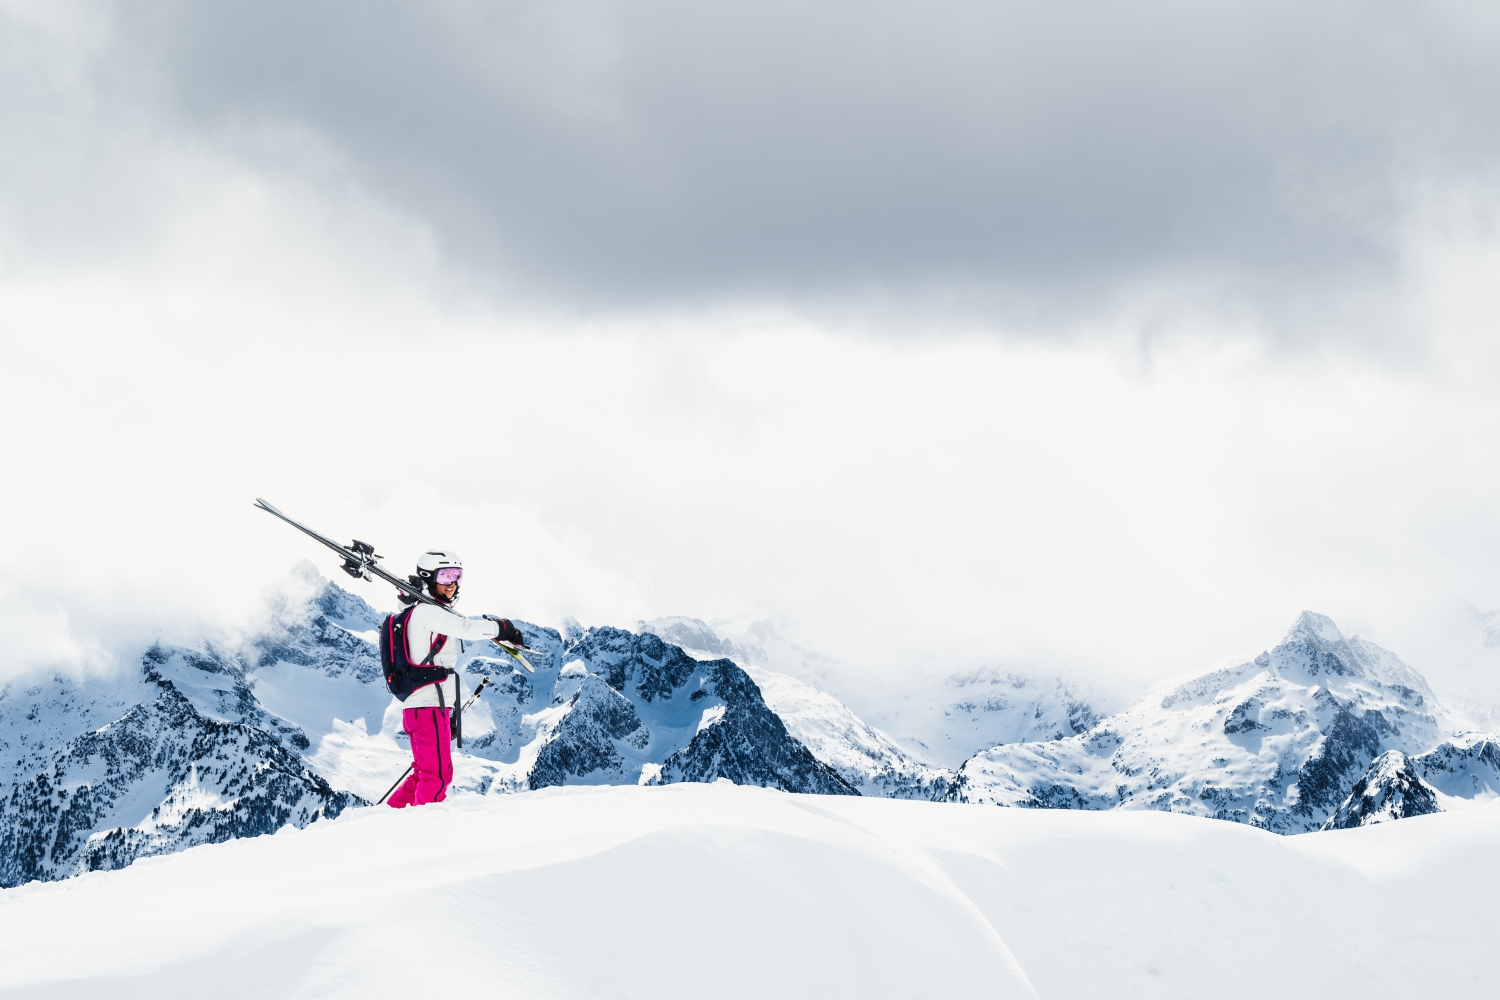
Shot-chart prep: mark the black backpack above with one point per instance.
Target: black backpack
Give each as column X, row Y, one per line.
column 402, row 676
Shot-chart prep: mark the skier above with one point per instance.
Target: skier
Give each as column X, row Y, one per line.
column 429, row 634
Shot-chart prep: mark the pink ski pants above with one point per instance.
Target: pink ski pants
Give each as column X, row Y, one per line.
column 432, row 760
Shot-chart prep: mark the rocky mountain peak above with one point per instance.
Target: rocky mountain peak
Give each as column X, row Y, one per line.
column 1277, row 741
column 1314, row 647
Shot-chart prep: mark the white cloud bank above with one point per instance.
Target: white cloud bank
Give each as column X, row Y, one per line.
column 194, row 316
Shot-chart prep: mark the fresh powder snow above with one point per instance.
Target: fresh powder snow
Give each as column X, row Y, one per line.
column 716, row 890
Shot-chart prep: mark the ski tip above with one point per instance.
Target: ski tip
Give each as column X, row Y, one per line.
column 515, row 653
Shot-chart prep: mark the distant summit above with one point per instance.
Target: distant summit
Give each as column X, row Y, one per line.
column 1278, row 741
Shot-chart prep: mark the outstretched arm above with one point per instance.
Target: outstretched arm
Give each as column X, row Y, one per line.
column 428, row 618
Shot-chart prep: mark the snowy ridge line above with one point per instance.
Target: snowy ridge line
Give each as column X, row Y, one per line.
column 206, row 744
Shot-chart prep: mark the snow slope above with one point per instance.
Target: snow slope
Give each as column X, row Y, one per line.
column 723, row 891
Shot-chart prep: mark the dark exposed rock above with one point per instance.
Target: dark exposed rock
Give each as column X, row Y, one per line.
column 1349, row 744
column 1245, row 718
column 584, row 742
column 1390, row 789
column 749, row 745
column 744, row 741
column 1398, row 786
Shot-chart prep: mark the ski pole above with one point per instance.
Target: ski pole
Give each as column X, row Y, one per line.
column 472, row 699
column 458, row 713
column 388, row 791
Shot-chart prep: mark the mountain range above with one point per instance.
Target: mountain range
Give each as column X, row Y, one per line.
column 293, row 725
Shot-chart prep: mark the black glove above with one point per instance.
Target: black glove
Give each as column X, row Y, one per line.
column 508, row 632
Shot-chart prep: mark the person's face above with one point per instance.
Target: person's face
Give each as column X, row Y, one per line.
column 446, row 590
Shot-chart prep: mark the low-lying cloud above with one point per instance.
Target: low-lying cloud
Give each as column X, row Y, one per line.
column 567, row 287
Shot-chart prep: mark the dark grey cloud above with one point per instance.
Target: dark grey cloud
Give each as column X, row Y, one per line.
column 1044, row 155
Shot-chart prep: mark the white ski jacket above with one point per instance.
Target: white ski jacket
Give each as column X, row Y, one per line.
column 426, row 624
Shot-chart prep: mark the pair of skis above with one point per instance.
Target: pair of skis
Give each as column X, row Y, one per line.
column 360, row 563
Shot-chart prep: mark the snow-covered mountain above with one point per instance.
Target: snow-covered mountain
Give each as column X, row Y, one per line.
column 619, row 707
column 200, row 745
column 941, row 724
column 293, row 724
column 1455, row 774
column 862, row 755
column 1277, row 741
column 866, row 758
column 107, row 773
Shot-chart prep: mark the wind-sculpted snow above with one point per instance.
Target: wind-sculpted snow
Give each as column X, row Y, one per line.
column 688, row 892
column 1277, row 742
column 1453, row 775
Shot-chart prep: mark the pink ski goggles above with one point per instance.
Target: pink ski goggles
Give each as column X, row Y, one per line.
column 448, row 575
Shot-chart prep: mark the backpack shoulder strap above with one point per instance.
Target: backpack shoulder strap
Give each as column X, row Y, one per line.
column 437, row 647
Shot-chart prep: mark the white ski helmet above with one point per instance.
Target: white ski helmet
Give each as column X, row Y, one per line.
column 430, row 562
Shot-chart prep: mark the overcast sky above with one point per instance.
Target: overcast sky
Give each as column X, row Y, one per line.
column 1102, row 337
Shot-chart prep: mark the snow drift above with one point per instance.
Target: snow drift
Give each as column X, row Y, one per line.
column 716, row 890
